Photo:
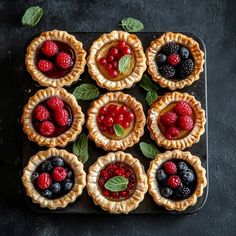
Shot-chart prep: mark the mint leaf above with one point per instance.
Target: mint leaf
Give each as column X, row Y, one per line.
column 124, row 64
column 80, row 148
column 118, row 130
column 32, row 16
column 86, row 92
column 130, row 24
column 147, row 83
column 149, row 150
column 151, row 97
column 116, row 184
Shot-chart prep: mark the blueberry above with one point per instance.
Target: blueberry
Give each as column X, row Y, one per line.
column 47, row 193
column 69, row 174
column 166, row 192
column 47, row 166
column 182, row 192
column 55, row 187
column 184, row 52
column 34, row 176
column 160, row 59
column 161, row 175
column 58, row 161
column 187, row 176
column 67, row 185
column 182, row 166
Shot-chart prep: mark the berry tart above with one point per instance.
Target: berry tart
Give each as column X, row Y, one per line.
column 115, row 121
column 176, row 120
column 116, row 60
column 176, row 179
column 117, row 182
column 174, row 60
column 54, row 178
column 52, row 117
column 55, row 59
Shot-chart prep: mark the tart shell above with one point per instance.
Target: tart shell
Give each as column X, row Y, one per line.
column 123, row 206
column 169, row 204
column 79, row 178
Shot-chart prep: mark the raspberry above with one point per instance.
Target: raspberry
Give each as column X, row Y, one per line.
column 172, row 132
column 182, row 108
column 55, row 103
column 46, row 128
column 174, row 181
column 185, row 123
column 41, row 113
column 64, row 60
column 44, row 181
column 59, row 173
column 169, row 118
column 62, row 117
column 45, row 65
column 170, row 168
column 49, row 48
column 173, row 59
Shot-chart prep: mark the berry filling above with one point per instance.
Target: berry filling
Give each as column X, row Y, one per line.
column 176, row 180
column 177, row 120
column 174, row 61
column 55, row 59
column 117, row 169
column 114, row 114
column 52, row 117
column 53, row 178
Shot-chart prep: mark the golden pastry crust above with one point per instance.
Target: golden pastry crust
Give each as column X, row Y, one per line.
column 181, row 39
column 123, row 206
column 111, row 144
column 140, row 61
column 79, row 178
column 192, row 137
column 63, row 139
column 78, row 67
column 153, row 189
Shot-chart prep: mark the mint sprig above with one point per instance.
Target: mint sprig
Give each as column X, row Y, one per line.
column 124, row 64
column 116, row 184
column 86, row 92
column 32, row 16
column 119, row 131
column 130, row 24
column 149, row 150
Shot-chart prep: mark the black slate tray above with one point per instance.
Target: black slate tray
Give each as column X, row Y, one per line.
column 84, row 204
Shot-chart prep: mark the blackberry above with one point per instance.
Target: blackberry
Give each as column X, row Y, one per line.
column 187, row 176
column 166, row 192
column 167, row 71
column 55, row 187
column 58, row 161
column 47, row 166
column 182, row 192
column 186, row 68
column 170, row 48
column 184, row 52
column 182, row 166
column 161, row 175
column 160, row 59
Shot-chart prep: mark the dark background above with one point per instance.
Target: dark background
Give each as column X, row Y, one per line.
column 214, row 21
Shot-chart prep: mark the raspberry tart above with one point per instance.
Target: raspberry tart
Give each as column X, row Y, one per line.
column 55, row 59
column 116, row 60
column 174, row 60
column 176, row 120
column 54, row 178
column 117, row 182
column 115, row 121
column 52, row 117
column 176, row 179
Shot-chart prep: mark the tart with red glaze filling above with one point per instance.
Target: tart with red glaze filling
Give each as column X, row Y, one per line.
column 117, row 182
column 55, row 59
column 116, row 60
column 176, row 120
column 52, row 117
column 115, row 121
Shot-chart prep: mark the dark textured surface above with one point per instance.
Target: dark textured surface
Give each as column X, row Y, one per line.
column 214, row 21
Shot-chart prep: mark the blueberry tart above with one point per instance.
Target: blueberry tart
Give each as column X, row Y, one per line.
column 116, row 60
column 54, row 178
column 176, row 180
column 117, row 182
column 115, row 121
column 55, row 58
column 176, row 120
column 174, row 60
column 52, row 117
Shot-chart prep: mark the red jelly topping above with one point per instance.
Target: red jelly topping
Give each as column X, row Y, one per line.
column 117, row 169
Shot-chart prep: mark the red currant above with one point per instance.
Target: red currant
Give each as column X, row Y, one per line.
column 125, row 124
column 119, row 119
column 123, row 109
column 124, row 193
column 111, row 130
column 103, row 61
column 108, row 121
column 126, row 50
column 110, row 58
column 100, row 118
column 113, row 52
column 113, row 73
column 103, row 110
column 114, row 64
column 129, row 116
column 121, row 45
column 108, row 66
column 106, row 193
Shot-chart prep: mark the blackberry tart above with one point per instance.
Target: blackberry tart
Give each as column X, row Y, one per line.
column 117, row 182
column 52, row 117
column 54, row 178
column 176, row 120
column 115, row 121
column 176, row 179
column 116, row 60
column 55, row 59
column 174, row 60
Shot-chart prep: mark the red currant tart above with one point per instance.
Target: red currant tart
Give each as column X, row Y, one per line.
column 54, row 178
column 116, row 60
column 176, row 120
column 115, row 121
column 52, row 117
column 174, row 60
column 55, row 59
column 176, row 179
column 117, row 182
